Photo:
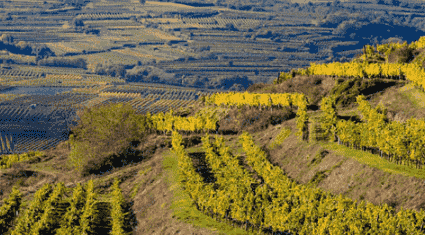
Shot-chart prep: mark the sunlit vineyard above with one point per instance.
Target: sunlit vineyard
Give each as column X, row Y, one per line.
column 49, row 212
column 10, row 76
column 413, row 72
column 18, row 73
column 278, row 203
column 6, row 97
column 244, row 156
column 280, row 137
column 105, row 16
column 395, row 141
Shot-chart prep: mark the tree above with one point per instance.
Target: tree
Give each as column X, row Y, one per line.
column 336, row 3
column 74, row 2
column 77, row 23
column 218, row 2
column 230, row 26
column 7, row 17
column 114, row 70
column 142, row 2
column 104, row 131
column 41, row 51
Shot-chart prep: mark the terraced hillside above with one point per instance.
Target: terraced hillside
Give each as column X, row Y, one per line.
column 168, row 117
column 284, row 140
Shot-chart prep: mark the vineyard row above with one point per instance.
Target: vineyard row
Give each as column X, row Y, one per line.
column 48, row 213
column 399, row 142
column 283, row 205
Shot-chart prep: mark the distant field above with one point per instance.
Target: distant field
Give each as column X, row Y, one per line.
column 121, row 33
column 111, row 23
column 86, row 42
column 59, row 48
column 82, row 45
column 134, row 53
column 168, row 4
column 164, row 52
column 53, row 82
column 106, row 57
column 140, row 35
column 159, row 34
column 52, row 70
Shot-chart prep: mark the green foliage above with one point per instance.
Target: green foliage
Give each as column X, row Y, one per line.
column 117, row 211
column 318, row 177
column 9, row 208
column 318, row 157
column 69, row 221
column 283, row 77
column 8, row 160
column 29, row 217
column 401, row 55
column 330, row 117
column 104, row 131
column 346, row 92
column 312, row 131
column 90, row 212
column 284, row 133
column 339, row 81
column 49, row 217
column 63, row 62
column 419, row 60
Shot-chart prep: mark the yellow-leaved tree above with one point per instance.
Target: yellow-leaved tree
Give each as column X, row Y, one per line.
column 104, row 131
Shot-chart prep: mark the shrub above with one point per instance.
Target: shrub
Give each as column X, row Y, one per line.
column 105, row 131
column 284, row 133
column 346, row 91
column 401, row 55
column 63, row 62
column 116, row 70
column 339, row 81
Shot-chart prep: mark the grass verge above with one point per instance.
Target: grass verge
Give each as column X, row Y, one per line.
column 414, row 95
column 374, row 160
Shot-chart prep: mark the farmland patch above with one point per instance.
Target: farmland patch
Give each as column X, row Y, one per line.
column 35, row 90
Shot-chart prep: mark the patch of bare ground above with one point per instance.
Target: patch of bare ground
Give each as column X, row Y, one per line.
column 306, row 163
column 400, row 107
column 29, row 178
column 253, row 120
